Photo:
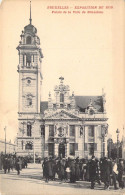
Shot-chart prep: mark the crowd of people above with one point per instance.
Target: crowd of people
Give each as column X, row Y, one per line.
column 9, row 162
column 105, row 171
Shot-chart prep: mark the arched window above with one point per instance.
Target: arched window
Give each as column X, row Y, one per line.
column 61, row 97
column 28, row 40
column 29, row 127
column 28, row 146
column 29, row 101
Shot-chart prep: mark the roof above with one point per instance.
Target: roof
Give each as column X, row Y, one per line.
column 82, row 103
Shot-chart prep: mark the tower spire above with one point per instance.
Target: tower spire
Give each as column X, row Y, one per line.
column 30, row 14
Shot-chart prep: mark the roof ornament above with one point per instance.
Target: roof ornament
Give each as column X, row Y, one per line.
column 49, row 95
column 61, row 79
column 90, row 104
column 30, row 14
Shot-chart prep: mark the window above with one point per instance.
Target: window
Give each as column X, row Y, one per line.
column 51, row 149
column 28, row 146
column 61, row 106
column 91, row 148
column 28, row 81
column 33, row 58
column 22, row 144
column 72, row 130
column 42, row 130
column 23, row 59
column 51, row 130
column 72, row 149
column 68, row 106
column 29, row 101
column 61, row 97
column 91, row 131
column 28, row 40
column 85, row 147
column 54, row 106
column 29, row 127
column 28, row 60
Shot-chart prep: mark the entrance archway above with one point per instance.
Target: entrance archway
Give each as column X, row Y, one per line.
column 61, row 150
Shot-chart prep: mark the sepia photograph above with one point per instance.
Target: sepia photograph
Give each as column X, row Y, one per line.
column 62, row 103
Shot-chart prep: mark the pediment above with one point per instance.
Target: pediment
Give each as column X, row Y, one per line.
column 61, row 115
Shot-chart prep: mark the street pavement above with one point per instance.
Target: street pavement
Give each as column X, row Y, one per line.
column 30, row 182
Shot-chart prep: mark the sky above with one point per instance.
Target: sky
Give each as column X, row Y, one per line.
column 86, row 49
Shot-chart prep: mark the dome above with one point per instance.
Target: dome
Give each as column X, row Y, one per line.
column 30, row 28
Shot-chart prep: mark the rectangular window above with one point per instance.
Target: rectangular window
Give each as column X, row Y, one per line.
column 42, row 130
column 29, row 127
column 61, row 97
column 72, row 130
column 33, row 57
column 85, row 147
column 91, row 131
column 69, row 106
column 23, row 59
column 51, row 130
column 91, row 149
column 61, row 106
column 51, row 149
column 54, row 106
column 72, row 149
column 28, row 60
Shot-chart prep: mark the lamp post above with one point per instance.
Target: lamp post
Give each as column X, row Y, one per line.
column 104, row 132
column 5, row 139
column 117, row 132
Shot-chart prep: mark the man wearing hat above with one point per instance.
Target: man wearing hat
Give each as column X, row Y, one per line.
column 121, row 170
column 92, row 171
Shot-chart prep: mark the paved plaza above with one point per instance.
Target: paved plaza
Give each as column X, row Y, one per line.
column 30, row 182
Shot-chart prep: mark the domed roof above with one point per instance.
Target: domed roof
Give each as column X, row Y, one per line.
column 30, row 28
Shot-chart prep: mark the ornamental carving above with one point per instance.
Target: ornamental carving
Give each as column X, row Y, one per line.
column 61, row 129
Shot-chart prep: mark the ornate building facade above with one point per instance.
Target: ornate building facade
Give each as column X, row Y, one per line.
column 67, row 125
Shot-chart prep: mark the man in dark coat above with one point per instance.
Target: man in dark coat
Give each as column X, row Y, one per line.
column 121, row 170
column 77, row 169
column 92, row 171
column 72, row 173
column 107, row 171
column 5, row 164
column 61, row 166
column 45, row 167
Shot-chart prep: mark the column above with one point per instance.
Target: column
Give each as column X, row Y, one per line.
column 67, row 149
column 95, row 141
column 56, row 146
column 78, row 149
column 31, row 60
column 25, row 60
column 46, row 140
column 86, row 141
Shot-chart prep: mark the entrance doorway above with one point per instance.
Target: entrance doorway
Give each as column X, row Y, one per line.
column 61, row 150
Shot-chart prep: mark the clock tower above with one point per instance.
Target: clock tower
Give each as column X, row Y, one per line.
column 30, row 81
